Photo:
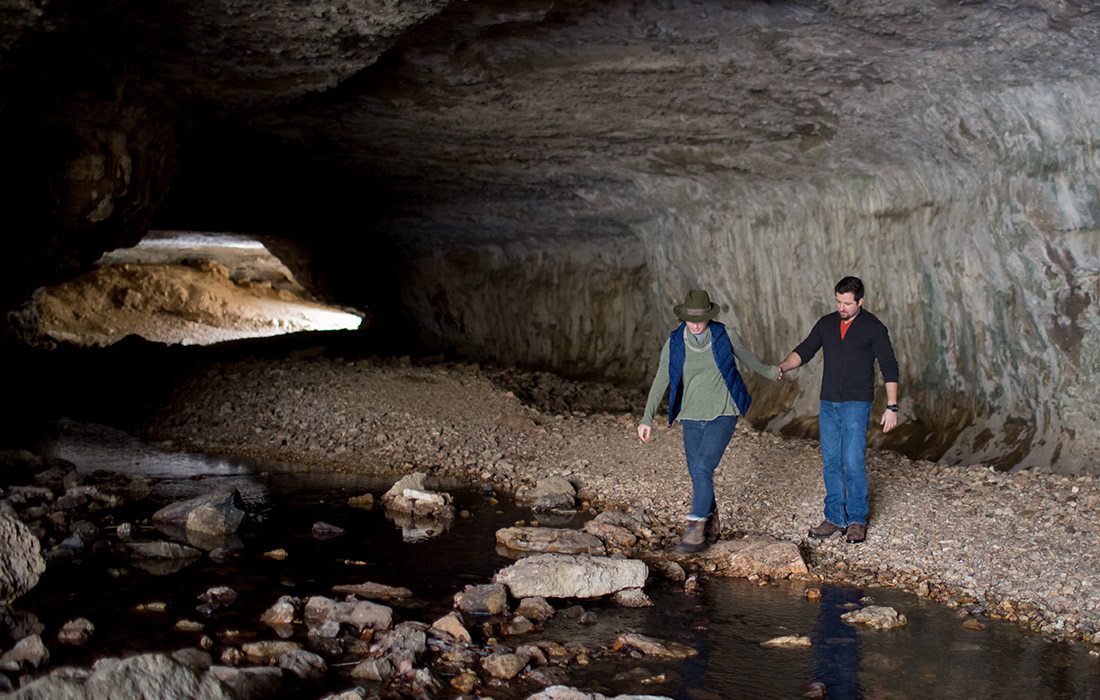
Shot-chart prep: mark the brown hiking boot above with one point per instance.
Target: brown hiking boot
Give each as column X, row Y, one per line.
column 857, row 532
column 825, row 529
column 694, row 539
column 713, row 530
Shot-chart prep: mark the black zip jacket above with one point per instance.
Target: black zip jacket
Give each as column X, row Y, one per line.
column 850, row 363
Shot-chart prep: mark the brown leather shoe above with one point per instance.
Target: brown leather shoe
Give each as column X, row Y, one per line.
column 857, row 532
column 713, row 530
column 694, row 540
column 825, row 529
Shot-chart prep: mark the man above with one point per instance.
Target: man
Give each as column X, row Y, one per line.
column 852, row 339
column 699, row 362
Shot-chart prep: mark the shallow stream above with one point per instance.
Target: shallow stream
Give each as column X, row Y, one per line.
column 726, row 620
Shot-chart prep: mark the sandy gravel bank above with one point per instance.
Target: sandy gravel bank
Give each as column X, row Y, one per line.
column 1016, row 545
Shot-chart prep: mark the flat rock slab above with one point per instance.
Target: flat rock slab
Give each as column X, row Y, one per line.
column 374, row 591
column 755, row 555
column 653, row 647
column 563, row 692
column 793, row 641
column 556, row 540
column 571, row 576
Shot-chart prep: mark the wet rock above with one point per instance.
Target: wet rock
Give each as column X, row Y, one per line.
column 972, row 624
column 669, row 570
column 303, row 664
column 571, row 576
column 484, row 599
column 754, row 556
column 549, row 493
column 503, row 665
column 21, row 555
column 613, row 535
column 194, row 659
column 365, row 501
column 217, row 513
column 465, row 682
column 794, row 641
column 282, row 613
column 76, row 632
column 535, row 608
column 189, row 626
column 518, row 625
column 632, row 598
column 320, row 635
column 653, row 647
column 350, row 694
column 563, row 692
column 534, row 655
column 409, row 496
column 550, row 539
column 326, row 531
column 455, row 659
column 267, row 652
column 374, row 591
column 814, row 690
column 162, row 558
column 277, row 554
column 143, row 676
column 86, row 530
column 360, row 614
column 877, row 616
column 406, row 637
column 216, row 598
column 374, row 669
column 248, row 682
column 588, row 617
column 451, row 625
column 28, row 653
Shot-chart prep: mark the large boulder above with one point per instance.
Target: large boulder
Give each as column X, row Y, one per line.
column 21, row 562
column 757, row 555
column 133, row 678
column 569, row 576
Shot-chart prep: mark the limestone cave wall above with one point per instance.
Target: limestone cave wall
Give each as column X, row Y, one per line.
column 538, row 181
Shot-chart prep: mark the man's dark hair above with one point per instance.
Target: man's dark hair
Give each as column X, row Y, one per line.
column 850, row 284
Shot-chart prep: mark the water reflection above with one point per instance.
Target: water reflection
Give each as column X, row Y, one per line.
column 836, row 646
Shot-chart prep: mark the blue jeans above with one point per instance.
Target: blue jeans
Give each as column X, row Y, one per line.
column 704, row 443
column 843, row 427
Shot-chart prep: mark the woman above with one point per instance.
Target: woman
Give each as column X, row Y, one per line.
column 699, row 362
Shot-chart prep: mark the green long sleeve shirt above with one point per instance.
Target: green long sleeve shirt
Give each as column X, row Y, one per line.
column 706, row 395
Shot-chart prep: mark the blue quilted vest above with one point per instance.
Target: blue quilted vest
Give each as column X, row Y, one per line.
column 723, row 356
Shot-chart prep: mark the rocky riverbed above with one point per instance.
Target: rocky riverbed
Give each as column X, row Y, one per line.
column 1017, row 545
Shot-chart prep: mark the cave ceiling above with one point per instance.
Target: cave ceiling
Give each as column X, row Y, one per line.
column 519, row 117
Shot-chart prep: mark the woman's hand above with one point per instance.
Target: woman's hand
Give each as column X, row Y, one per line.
column 645, row 433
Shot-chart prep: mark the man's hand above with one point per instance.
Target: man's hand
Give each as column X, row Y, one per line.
column 645, row 433
column 889, row 420
column 778, row 373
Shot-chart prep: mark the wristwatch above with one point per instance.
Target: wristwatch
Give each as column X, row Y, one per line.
column 892, row 407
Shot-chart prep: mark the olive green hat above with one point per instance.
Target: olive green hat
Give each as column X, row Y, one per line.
column 697, row 307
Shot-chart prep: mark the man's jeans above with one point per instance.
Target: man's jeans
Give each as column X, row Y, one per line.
column 843, row 427
column 704, row 443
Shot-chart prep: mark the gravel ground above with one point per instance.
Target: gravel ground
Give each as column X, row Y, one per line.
column 1018, row 545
